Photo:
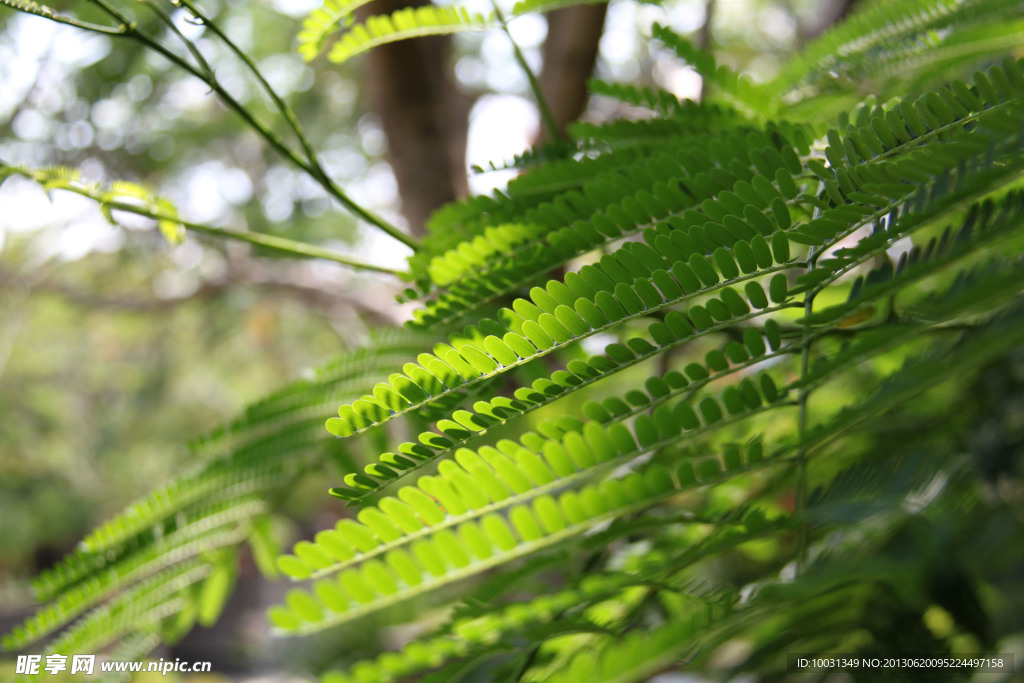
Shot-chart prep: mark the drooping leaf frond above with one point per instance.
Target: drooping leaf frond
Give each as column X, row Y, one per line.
column 764, row 221
column 464, row 426
column 635, row 281
column 448, row 555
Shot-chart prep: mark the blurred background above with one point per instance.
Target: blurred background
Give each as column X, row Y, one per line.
column 117, row 348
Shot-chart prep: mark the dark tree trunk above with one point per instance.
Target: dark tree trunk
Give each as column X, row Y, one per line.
column 832, row 12
column 410, row 86
column 704, row 36
column 570, row 53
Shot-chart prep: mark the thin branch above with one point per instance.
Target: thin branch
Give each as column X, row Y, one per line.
column 48, row 13
column 128, row 28
column 542, row 103
column 800, row 504
column 280, row 244
column 282, row 106
column 189, row 45
column 313, row 166
column 801, row 482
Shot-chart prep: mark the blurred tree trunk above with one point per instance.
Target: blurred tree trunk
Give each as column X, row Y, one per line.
column 570, row 52
column 704, row 36
column 831, row 13
column 410, row 85
column 705, row 40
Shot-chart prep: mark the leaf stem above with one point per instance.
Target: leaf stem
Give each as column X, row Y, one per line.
column 129, row 29
column 526, row 662
column 800, row 505
column 542, row 104
column 48, row 13
column 806, row 340
column 280, row 244
column 189, row 45
column 286, row 111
